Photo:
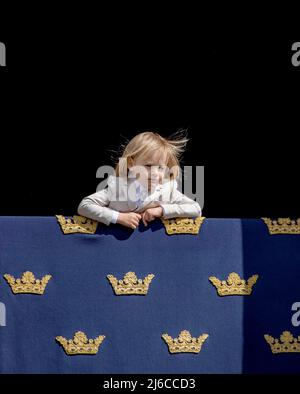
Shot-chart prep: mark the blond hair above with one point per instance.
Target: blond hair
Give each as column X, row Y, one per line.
column 146, row 143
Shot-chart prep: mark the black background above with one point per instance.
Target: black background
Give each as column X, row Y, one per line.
column 74, row 90
column 79, row 81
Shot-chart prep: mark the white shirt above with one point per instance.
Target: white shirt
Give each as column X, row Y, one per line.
column 123, row 196
column 141, row 195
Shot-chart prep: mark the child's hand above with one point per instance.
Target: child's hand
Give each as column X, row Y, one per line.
column 129, row 219
column 151, row 213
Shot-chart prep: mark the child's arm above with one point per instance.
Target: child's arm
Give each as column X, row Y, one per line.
column 95, row 207
column 180, row 206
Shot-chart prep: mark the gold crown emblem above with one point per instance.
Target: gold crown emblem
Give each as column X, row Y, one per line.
column 77, row 224
column 185, row 343
column 234, row 285
column 80, row 344
column 283, row 226
column 130, row 284
column 28, row 283
column 183, row 225
column 288, row 343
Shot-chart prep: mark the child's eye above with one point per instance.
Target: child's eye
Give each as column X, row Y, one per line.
column 160, row 168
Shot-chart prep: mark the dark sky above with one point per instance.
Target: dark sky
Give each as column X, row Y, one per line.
column 69, row 97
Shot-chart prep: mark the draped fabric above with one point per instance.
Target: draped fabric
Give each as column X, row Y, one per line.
column 79, row 297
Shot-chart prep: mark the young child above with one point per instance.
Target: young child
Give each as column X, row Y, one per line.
column 128, row 200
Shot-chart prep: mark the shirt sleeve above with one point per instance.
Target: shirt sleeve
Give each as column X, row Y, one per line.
column 114, row 218
column 180, row 206
column 95, row 207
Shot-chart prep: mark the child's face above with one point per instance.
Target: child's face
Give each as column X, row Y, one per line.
column 151, row 169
